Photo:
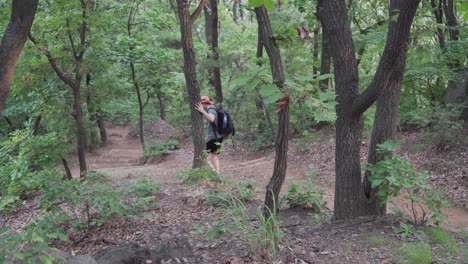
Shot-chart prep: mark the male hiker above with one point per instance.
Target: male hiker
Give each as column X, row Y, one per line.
column 213, row 139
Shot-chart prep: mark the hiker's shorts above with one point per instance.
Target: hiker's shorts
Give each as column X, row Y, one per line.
column 214, row 145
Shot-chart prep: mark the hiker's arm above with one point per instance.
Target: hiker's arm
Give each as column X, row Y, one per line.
column 210, row 117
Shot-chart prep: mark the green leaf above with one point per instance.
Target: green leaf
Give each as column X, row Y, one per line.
column 269, row 4
column 255, row 3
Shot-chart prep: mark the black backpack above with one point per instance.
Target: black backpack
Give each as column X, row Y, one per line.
column 225, row 125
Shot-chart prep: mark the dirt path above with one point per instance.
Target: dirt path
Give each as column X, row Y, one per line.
column 120, row 160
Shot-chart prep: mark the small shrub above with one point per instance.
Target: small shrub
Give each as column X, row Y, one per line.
column 83, row 206
column 404, row 231
column 376, row 240
column 143, row 187
column 28, row 165
column 394, row 175
column 31, row 246
column 245, row 191
column 203, row 173
column 262, row 236
column 441, row 236
column 159, row 148
column 305, row 196
column 438, row 235
column 445, row 126
column 415, row 253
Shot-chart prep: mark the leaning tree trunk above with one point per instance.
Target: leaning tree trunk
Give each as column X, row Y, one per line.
column 350, row 198
column 16, row 34
column 281, row 145
column 186, row 22
column 74, row 83
column 211, row 32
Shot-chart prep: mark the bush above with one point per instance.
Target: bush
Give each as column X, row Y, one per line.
column 445, row 127
column 262, row 236
column 159, row 148
column 394, row 175
column 415, row 253
column 203, row 173
column 28, row 247
column 83, row 206
column 304, row 194
column 28, row 165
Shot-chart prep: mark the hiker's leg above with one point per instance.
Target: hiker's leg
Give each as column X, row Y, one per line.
column 215, row 162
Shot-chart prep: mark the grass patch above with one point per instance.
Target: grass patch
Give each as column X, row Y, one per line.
column 438, row 235
column 414, row 253
column 443, row 237
column 376, row 240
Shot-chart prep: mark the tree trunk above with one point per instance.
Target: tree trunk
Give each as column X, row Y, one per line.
column 234, row 11
column 16, row 34
column 315, row 51
column 186, row 21
column 350, row 200
column 281, row 145
column 68, row 174
column 136, row 86
column 80, row 130
column 37, row 125
column 437, row 9
column 325, row 62
column 102, row 127
column 211, row 32
column 162, row 106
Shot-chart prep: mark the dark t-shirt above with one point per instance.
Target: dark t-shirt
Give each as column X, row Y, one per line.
column 211, row 130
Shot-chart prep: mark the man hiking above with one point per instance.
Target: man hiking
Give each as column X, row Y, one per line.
column 213, row 139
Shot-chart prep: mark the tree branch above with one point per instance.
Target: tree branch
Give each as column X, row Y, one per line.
column 62, row 75
column 395, row 47
column 197, row 11
column 70, row 37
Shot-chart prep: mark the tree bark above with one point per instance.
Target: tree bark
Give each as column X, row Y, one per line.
column 102, row 127
column 281, row 145
column 186, row 21
column 162, row 106
column 16, row 34
column 211, row 32
column 350, row 200
column 438, row 13
column 136, row 85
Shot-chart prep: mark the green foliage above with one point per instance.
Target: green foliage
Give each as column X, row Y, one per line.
column 415, row 253
column 83, row 206
column 158, row 148
column 441, row 236
column 404, row 231
column 446, row 126
column 244, row 191
column 28, row 165
column 191, row 176
column 304, row 194
column 394, row 176
column 31, row 246
column 376, row 240
column 261, row 236
column 143, row 187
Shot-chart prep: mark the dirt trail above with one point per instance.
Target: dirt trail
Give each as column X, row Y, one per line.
column 120, row 160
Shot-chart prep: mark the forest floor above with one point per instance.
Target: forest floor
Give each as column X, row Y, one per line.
column 308, row 237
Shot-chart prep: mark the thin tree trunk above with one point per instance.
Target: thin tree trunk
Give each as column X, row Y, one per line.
column 16, row 34
column 186, row 22
column 438, row 13
column 102, row 127
column 281, row 145
column 234, row 11
column 68, row 174
column 315, row 51
column 211, row 32
column 162, row 106
column 37, row 125
column 136, row 86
